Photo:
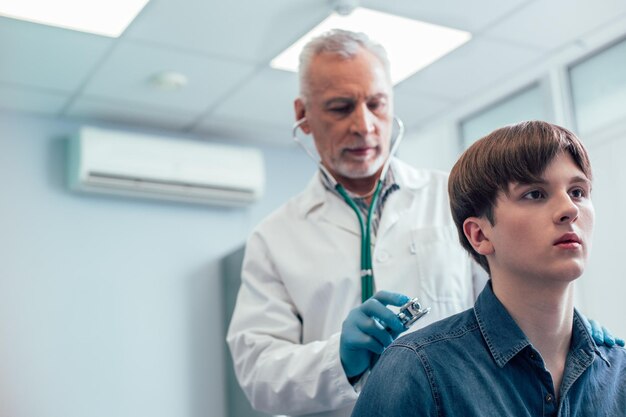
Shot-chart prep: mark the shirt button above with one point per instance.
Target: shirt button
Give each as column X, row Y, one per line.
column 383, row 256
column 549, row 398
column 533, row 356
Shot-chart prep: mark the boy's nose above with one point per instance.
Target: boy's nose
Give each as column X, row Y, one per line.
column 567, row 210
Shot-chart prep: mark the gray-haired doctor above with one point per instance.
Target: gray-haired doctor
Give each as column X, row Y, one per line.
column 301, row 338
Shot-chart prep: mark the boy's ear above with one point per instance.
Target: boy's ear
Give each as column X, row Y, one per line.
column 476, row 230
column 300, row 110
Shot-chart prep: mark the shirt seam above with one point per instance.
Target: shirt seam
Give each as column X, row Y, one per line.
column 421, row 355
column 438, row 337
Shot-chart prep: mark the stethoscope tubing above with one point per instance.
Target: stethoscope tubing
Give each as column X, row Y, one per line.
column 367, row 273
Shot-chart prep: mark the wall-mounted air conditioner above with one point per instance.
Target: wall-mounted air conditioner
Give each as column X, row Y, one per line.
column 130, row 164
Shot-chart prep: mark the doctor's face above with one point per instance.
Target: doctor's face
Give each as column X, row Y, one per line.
column 349, row 111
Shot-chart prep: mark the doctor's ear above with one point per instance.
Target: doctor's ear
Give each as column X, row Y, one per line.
column 301, row 114
column 477, row 231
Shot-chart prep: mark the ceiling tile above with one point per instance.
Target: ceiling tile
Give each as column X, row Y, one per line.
column 474, row 66
column 261, row 109
column 472, row 15
column 224, row 47
column 47, row 57
column 31, row 100
column 93, row 110
column 266, row 98
column 126, row 73
column 248, row 30
column 551, row 23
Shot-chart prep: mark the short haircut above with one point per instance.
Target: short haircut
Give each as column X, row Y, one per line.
column 516, row 153
column 343, row 43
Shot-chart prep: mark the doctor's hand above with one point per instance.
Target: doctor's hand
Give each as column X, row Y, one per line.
column 368, row 330
column 600, row 334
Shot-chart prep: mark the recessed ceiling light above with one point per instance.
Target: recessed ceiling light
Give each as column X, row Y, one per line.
column 100, row 17
column 411, row 44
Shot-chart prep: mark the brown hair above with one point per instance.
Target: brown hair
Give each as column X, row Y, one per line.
column 515, row 153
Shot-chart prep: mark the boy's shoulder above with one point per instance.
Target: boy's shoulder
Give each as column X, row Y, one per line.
column 456, row 327
column 616, row 357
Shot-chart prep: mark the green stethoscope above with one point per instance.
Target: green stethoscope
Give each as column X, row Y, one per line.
column 367, row 273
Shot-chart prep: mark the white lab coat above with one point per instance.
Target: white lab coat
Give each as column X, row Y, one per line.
column 300, row 279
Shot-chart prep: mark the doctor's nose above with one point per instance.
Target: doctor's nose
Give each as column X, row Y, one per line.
column 362, row 121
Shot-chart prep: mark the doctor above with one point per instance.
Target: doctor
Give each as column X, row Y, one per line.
column 301, row 338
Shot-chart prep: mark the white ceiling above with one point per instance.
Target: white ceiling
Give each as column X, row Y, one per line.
column 224, row 49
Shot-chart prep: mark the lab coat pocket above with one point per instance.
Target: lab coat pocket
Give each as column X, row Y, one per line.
column 443, row 267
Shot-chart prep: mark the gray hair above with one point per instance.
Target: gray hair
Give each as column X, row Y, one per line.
column 341, row 42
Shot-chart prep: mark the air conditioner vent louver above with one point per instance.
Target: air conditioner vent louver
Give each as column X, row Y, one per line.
column 138, row 165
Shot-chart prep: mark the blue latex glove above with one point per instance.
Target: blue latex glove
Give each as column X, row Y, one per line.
column 600, row 334
column 368, row 330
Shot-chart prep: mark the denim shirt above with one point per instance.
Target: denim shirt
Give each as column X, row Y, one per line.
column 480, row 363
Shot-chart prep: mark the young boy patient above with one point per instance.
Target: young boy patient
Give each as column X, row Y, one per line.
column 521, row 201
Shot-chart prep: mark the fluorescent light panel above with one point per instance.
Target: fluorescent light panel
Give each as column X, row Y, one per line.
column 100, row 17
column 411, row 45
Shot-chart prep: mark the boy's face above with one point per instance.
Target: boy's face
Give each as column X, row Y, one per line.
column 543, row 230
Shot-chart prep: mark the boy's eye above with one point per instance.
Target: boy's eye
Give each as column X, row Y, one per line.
column 578, row 193
column 533, row 195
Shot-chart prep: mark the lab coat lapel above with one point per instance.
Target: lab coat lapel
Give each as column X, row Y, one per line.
column 397, row 205
column 337, row 212
column 399, row 202
column 325, row 206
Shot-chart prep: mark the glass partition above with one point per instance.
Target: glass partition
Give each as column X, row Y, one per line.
column 527, row 104
column 598, row 85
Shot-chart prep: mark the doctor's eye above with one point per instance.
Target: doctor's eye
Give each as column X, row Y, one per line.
column 341, row 107
column 375, row 105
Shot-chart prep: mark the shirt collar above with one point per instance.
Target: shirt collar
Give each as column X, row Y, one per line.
column 503, row 336
column 317, row 195
column 505, row 339
column 583, row 344
column 388, row 182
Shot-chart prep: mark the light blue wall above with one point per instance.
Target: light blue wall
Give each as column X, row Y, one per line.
column 434, row 147
column 112, row 306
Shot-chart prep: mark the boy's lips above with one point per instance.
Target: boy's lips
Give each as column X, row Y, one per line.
column 568, row 240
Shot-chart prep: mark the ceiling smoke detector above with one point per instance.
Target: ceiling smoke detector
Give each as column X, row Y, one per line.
column 344, row 7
